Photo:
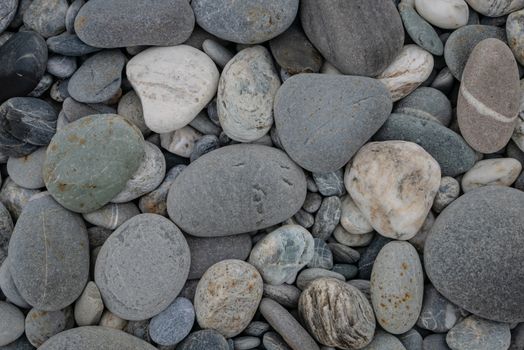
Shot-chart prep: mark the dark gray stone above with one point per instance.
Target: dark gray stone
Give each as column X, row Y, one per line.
column 435, row 342
column 20, row 344
column 438, row 314
column 173, row 324
column 327, row 218
column 69, row 45
column 420, row 31
column 256, row 328
column 304, row 219
column 412, row 340
column 330, row 184
column 205, row 145
column 203, row 124
column 49, row 255
column 228, row 178
column 313, row 202
column 466, row 253
column 61, row 66
column 358, row 37
column 75, row 110
column 449, row 149
column 475, row 333
column 322, row 120
column 368, row 256
column 204, row 340
column 42, row 325
column 7, row 13
column 119, row 23
column 273, row 341
column 22, row 7
column 46, row 17
column 517, row 337
column 286, row 294
column 245, row 22
column 347, row 270
column 426, row 103
column 97, row 235
column 443, row 81
column 72, row 12
column 59, row 90
column 43, row 85
column 139, row 329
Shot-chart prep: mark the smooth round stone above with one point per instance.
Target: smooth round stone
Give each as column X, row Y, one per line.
column 42, row 325
column 61, row 66
column 322, row 120
column 130, row 108
column 246, row 91
column 426, row 103
column 173, row 324
column 391, row 179
column 287, row 326
column 180, row 142
column 282, row 253
column 7, row 285
column 452, row 153
column 495, row 8
column 285, row 294
column 307, row 276
column 227, row 297
column 46, row 17
column 71, row 13
column 376, row 33
column 489, row 95
column 245, row 23
column 514, row 31
column 80, row 173
column 347, row 270
column 69, row 45
column 112, row 215
column 27, row 171
column 412, row 340
column 420, row 31
column 322, row 256
column 98, row 78
column 273, row 341
column 344, row 254
column 327, row 218
column 148, row 176
column 483, row 223
column 408, row 70
column 88, row 338
column 89, row 306
column 352, row 219
column 445, row 14
column 350, row 239
column 249, row 200
column 437, row 314
column 475, row 333
column 49, row 255
column 330, row 184
column 384, row 341
column 14, row 198
column 11, row 323
column 138, row 289
column 7, row 13
column 204, row 340
column 158, row 23
column 24, row 59
column 337, row 314
column 205, row 252
column 111, row 320
column 461, row 43
column 155, row 201
column 489, row 172
column 312, row 202
column 218, row 53
column 448, row 191
column 158, row 74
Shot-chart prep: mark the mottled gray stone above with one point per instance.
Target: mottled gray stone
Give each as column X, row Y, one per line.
column 306, row 276
column 8, row 287
column 42, row 325
column 98, row 78
column 89, row 306
column 61, row 66
column 138, row 289
column 75, row 110
column 322, row 256
column 69, row 45
column 205, row 145
column 203, row 124
column 246, row 343
column 155, row 201
column 27, row 171
column 139, row 329
column 363, row 285
column 330, row 184
column 350, row 239
column 130, row 108
column 256, row 329
column 204, row 340
column 71, row 13
column 469, row 266
column 43, row 85
column 285, row 294
column 343, row 253
column 367, row 258
column 322, row 120
column 111, row 320
column 173, row 324
column 14, row 198
column 420, row 31
column 59, row 90
column 229, row 173
column 426, row 103
column 11, row 323
column 435, row 342
column 475, row 333
column 384, row 341
column 112, row 215
column 46, row 17
column 205, row 252
column 7, row 13
column 327, row 218
column 376, row 31
column 304, row 219
column 438, row 314
column 448, row 191
column 412, row 340
column 273, row 341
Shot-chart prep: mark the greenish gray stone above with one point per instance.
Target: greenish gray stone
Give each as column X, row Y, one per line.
column 79, row 171
column 422, row 33
column 322, row 256
column 426, row 103
column 27, row 171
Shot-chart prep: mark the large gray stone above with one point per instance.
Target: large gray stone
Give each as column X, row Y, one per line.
column 42, row 325
column 322, row 120
column 236, row 189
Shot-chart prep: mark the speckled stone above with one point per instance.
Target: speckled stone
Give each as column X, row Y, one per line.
column 27, row 171
column 475, row 333
column 320, row 132
column 420, row 31
column 159, row 23
column 155, row 201
column 446, row 14
column 80, row 173
column 46, row 17
column 489, row 172
column 426, row 103
column 15, row 198
column 322, row 256
column 306, row 276
column 89, row 306
column 111, row 215
column 285, row 294
column 69, row 45
column 484, row 220
column 437, row 314
column 205, row 252
column 7, row 285
column 227, row 297
column 228, row 172
column 204, row 340
column 130, row 108
column 384, row 341
column 173, row 324
column 142, row 290
column 337, row 314
column 495, row 8
column 376, row 33
column 246, row 92
column 42, row 325
column 11, row 323
column 49, row 255
column 448, row 191
column 7, row 13
column 449, row 149
column 102, row 338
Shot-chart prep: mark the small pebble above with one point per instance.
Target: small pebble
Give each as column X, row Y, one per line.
column 285, row 294
column 111, row 215
column 42, row 325
column 306, row 276
column 27, row 171
column 352, row 219
column 204, row 340
column 246, row 343
column 490, row 172
column 322, row 256
column 327, row 218
column 330, row 184
column 173, row 324
column 89, row 306
column 448, row 191
column 111, row 320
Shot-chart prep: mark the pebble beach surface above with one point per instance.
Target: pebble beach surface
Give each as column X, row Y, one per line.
column 262, row 174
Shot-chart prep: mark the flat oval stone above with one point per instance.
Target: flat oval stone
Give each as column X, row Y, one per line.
column 46, row 17
column 27, row 171
column 246, row 91
column 446, row 14
column 337, row 314
column 159, row 74
column 461, row 43
column 42, row 325
column 285, row 294
column 12, row 323
column 475, row 333
column 88, row 338
column 437, row 314
column 465, row 253
column 49, row 255
column 452, row 153
column 397, row 287
column 371, row 31
column 142, row 267
column 426, row 103
column 489, row 95
column 245, row 22
column 69, row 45
column 248, row 199
column 496, row 8
column 112, row 215
column 61, row 66
column 390, row 179
column 282, row 253
column 89, row 306
column 24, row 60
column 489, row 172
column 350, row 239
column 80, row 173
column 72, row 12
column 203, row 340
column 173, row 324
column 227, row 297
column 420, row 31
column 322, row 120
column 384, row 341
column 307, row 276
column 218, row 53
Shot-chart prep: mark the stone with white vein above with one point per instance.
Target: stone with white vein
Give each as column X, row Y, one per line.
column 497, row 171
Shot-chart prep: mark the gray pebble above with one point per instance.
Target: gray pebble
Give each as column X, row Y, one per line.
column 218, row 53
column 347, row 270
column 273, row 341
column 304, row 219
column 256, row 329
column 322, row 256
column 327, row 218
column 69, row 45
column 435, row 342
column 111, row 215
column 312, row 202
column 426, row 103
column 367, row 258
column 412, row 340
column 204, row 125
column 8, row 287
column 246, row 343
column 384, row 341
column 285, row 294
column 205, row 145
column 130, row 108
column 14, row 197
column 475, row 333
column 204, row 340
column 438, row 314
column 75, row 110
column 343, row 253
column 27, row 171
column 448, row 191
column 420, row 31
column 89, row 306
column 59, row 91
column 42, row 325
column 139, row 329
column 46, row 17
column 189, row 289
column 61, row 66
column 72, row 12
column 11, row 323
column 173, row 324
column 306, row 276
column 20, row 344
column 43, row 85
column 7, row 13
column 443, row 81
column 155, row 201
column 330, row 184
column 98, row 235
column 350, row 239
column 363, row 285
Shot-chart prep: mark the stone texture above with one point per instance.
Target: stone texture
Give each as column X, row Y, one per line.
column 111, row 320
column 72, row 12
column 273, row 341
column 412, row 340
column 437, row 314
column 111, row 215
column 7, row 285
column 142, row 267
column 420, row 31
column 11, row 323
column 173, row 324
column 14, row 198
column 69, row 45
column 384, row 341
column 322, row 256
column 229, row 178
column 330, row 184
column 7, row 13
column 466, row 258
column 27, row 171
column 46, row 17
column 367, row 258
column 448, row 191
column 446, row 14
column 256, row 329
column 350, row 239
column 489, row 172
column 203, row 340
column 307, row 276
column 42, row 325
column 155, row 201
column 227, row 297
column 285, row 294
column 475, row 333
column 322, row 120
column 130, row 108
column 495, row 8
column 352, row 219
column 376, row 33
column 435, row 342
column 61, row 66
column 89, row 306
column 218, row 53
column 514, row 31
column 327, row 218
column 426, row 103
column 180, row 142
